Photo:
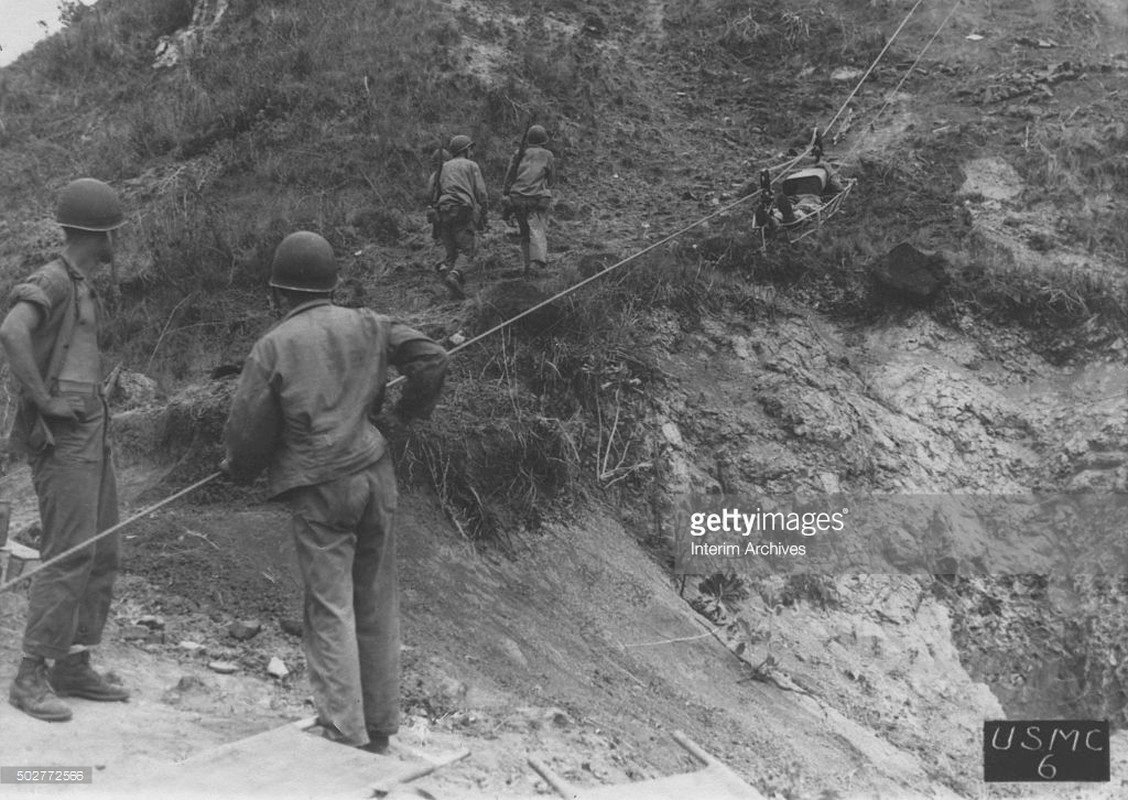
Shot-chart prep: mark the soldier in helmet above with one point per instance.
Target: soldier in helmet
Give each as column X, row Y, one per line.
column 50, row 336
column 459, row 197
column 528, row 184
column 303, row 410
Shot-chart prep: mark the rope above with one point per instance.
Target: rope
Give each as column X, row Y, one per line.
column 909, row 71
column 55, row 559
column 782, row 170
column 872, row 66
column 563, row 293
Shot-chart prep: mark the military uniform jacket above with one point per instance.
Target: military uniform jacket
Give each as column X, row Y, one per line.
column 310, row 387
column 534, row 175
column 51, row 289
column 463, row 184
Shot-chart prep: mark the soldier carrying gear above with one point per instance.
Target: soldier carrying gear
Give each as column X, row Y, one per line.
column 50, row 336
column 462, row 206
column 528, row 187
column 304, row 410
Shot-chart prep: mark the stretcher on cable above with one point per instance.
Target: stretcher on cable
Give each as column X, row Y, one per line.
column 802, row 201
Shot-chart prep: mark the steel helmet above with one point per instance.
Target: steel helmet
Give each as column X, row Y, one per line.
column 304, row 262
column 537, row 135
column 460, row 143
column 88, row 204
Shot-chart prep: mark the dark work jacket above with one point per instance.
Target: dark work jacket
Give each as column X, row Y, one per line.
column 310, row 386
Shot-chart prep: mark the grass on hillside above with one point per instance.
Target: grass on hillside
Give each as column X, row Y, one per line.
column 290, row 116
column 290, row 119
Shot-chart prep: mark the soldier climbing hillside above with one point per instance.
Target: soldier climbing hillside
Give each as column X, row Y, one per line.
column 528, row 190
column 458, row 196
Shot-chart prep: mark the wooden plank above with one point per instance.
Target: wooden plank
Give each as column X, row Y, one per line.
column 410, row 772
column 281, row 763
column 16, row 559
column 716, row 781
column 21, row 551
column 562, row 787
column 712, row 782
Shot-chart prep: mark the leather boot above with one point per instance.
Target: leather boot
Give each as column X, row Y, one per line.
column 32, row 694
column 454, row 282
column 377, row 743
column 73, row 677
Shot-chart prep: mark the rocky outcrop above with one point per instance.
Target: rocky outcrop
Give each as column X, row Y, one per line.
column 911, row 273
column 186, row 42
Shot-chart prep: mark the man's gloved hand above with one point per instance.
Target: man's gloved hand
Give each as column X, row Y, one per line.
column 61, row 407
column 225, row 467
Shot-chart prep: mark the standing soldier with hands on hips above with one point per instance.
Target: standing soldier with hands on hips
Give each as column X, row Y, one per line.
column 50, row 336
column 304, row 409
column 528, row 188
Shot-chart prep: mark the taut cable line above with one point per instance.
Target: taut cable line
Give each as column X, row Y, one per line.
column 781, row 169
column 112, row 529
column 889, row 97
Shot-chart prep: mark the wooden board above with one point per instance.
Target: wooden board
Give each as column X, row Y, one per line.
column 279, row 764
column 16, row 559
column 715, row 781
column 711, row 782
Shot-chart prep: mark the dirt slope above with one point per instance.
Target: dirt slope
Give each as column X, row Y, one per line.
column 561, row 651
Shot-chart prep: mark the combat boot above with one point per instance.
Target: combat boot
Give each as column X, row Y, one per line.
column 73, row 677
column 377, row 743
column 454, row 282
column 31, row 693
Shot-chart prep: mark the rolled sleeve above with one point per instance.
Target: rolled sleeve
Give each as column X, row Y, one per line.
column 423, row 363
column 45, row 289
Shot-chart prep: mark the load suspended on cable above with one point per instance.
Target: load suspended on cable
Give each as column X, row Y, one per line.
column 800, row 201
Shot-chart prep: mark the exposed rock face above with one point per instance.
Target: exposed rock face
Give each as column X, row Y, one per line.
column 911, row 407
column 991, row 179
column 182, row 45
